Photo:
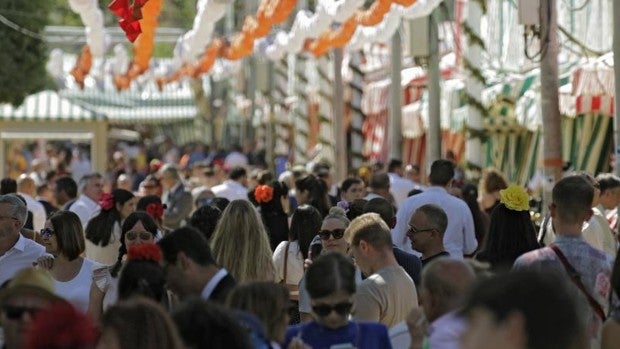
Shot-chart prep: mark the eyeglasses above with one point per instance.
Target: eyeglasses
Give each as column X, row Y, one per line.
column 46, row 233
column 336, row 233
column 16, row 312
column 325, row 309
column 413, row 230
column 143, row 235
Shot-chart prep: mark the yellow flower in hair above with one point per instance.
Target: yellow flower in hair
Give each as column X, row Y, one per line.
column 515, row 198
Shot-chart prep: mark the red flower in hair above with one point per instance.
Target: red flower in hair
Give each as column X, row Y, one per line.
column 263, row 194
column 144, row 252
column 61, row 326
column 106, row 201
column 155, row 210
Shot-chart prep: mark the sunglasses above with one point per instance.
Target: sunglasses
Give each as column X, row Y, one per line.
column 411, row 230
column 143, row 235
column 340, row 308
column 16, row 312
column 336, row 233
column 46, row 233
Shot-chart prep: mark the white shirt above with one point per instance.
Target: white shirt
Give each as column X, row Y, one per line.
column 445, row 331
column 231, row 190
column 210, row 286
column 295, row 263
column 235, row 159
column 77, row 290
column 85, row 208
column 459, row 238
column 20, row 256
column 38, row 212
column 400, row 187
column 399, row 335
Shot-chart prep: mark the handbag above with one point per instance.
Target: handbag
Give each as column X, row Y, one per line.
column 574, row 276
column 292, row 288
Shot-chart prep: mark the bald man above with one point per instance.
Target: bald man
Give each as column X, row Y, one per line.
column 26, row 187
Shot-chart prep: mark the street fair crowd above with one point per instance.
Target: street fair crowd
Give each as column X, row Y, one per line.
column 215, row 252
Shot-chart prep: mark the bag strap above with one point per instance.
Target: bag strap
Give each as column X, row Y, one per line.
column 286, row 260
column 545, row 226
column 576, row 278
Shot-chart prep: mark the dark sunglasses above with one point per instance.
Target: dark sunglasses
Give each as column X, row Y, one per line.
column 46, row 233
column 16, row 313
column 336, row 233
column 143, row 235
column 411, row 230
column 340, row 308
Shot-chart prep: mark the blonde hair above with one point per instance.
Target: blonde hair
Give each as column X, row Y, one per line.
column 268, row 301
column 241, row 245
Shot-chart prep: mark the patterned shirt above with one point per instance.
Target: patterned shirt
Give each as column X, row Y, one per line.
column 594, row 267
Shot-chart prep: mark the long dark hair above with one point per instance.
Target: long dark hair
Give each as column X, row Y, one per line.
column 273, row 215
column 470, row 196
column 305, row 224
column 132, row 219
column 99, row 228
column 511, row 234
column 317, row 191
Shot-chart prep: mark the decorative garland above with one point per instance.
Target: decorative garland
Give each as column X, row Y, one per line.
column 475, row 72
column 472, row 37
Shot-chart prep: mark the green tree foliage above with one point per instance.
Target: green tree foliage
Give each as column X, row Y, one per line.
column 23, row 56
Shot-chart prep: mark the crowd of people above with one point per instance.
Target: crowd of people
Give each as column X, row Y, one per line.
column 210, row 252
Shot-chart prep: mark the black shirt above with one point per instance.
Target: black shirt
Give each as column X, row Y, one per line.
column 429, row 259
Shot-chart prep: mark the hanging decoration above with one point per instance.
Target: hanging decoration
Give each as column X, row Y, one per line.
column 143, row 46
column 130, row 16
column 82, row 66
column 269, row 13
column 336, row 38
column 92, row 17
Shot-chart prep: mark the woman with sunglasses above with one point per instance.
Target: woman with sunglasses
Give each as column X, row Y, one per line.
column 331, row 285
column 329, row 238
column 139, row 228
column 63, row 237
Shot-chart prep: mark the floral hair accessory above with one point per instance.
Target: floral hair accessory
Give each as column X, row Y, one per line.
column 344, row 205
column 263, row 194
column 61, row 326
column 155, row 210
column 106, row 201
column 144, row 252
column 515, row 198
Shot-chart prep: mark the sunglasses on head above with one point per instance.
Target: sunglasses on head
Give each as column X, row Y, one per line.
column 46, row 233
column 143, row 235
column 325, row 309
column 336, row 233
column 15, row 312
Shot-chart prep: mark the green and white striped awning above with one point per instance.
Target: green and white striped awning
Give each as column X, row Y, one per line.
column 48, row 106
column 131, row 107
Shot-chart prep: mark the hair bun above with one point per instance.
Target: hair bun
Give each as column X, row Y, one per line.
column 337, row 211
column 144, row 252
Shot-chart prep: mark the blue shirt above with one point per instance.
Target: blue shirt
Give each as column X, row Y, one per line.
column 360, row 335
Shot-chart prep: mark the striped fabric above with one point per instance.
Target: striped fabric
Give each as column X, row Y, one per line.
column 48, row 105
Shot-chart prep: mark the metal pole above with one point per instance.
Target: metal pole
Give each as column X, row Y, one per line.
column 616, row 48
column 338, row 108
column 270, row 133
column 396, row 98
column 474, row 87
column 252, row 96
column 552, row 133
column 433, row 135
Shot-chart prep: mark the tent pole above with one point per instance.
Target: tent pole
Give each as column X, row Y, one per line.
column 433, row 135
column 396, row 98
column 552, row 133
column 338, row 107
column 616, row 48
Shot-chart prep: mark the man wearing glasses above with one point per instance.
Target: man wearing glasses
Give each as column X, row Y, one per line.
column 16, row 251
column 426, row 229
column 30, row 291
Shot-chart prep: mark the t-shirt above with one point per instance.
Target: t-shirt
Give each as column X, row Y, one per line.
column 386, row 296
column 358, row 335
column 77, row 290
